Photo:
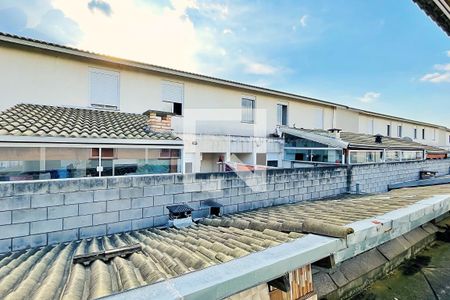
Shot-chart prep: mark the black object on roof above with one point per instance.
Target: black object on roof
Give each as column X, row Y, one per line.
column 212, row 203
column 179, row 208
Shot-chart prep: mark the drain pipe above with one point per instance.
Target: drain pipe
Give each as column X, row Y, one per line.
column 349, row 183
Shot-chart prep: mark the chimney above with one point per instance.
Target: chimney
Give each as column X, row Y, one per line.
column 336, row 132
column 378, row 138
column 159, row 121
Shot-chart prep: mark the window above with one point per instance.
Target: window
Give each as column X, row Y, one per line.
column 370, row 126
column 423, row 133
column 177, row 109
column 388, row 130
column 318, row 118
column 173, row 92
column 248, row 110
column 104, row 88
column 272, row 163
column 33, row 163
column 282, row 114
column 399, row 131
column 415, row 133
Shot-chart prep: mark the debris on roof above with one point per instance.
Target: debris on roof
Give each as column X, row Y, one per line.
column 106, row 255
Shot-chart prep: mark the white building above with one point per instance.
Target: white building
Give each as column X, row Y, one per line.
column 218, row 120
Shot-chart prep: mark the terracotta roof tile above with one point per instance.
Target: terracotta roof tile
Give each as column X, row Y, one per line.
column 55, row 121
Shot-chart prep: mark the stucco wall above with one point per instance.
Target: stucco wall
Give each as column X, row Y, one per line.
column 40, row 78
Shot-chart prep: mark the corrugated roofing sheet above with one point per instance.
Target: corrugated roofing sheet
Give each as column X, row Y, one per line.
column 54, row 121
column 358, row 140
column 48, row 272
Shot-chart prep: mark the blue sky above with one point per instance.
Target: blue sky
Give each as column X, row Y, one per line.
column 381, row 55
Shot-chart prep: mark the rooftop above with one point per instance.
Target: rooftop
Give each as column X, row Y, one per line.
column 48, row 272
column 358, row 140
column 30, row 120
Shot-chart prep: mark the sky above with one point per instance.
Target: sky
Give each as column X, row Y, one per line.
column 380, row 55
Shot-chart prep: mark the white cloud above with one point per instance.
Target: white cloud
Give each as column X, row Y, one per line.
column 438, row 77
column 448, row 53
column 304, row 20
column 256, row 68
column 227, row 31
column 442, row 67
column 369, row 97
column 140, row 31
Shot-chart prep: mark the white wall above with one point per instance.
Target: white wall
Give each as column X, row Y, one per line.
column 29, row 77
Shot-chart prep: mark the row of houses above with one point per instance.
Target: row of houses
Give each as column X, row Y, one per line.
column 71, row 113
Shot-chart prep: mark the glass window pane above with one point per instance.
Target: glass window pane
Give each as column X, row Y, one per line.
column 126, row 161
column 20, row 163
column 71, row 162
column 247, row 107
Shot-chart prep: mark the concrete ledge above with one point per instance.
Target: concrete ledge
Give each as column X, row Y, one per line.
column 354, row 275
column 423, row 182
column 226, row 279
column 373, row 232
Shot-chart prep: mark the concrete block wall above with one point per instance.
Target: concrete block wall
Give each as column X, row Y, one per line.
column 37, row 213
column 375, row 178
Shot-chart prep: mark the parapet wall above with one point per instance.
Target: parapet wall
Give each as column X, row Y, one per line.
column 36, row 213
column 375, row 178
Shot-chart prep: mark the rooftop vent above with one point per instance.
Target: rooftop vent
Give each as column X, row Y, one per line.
column 180, row 215
column 215, row 208
column 336, row 132
column 378, row 139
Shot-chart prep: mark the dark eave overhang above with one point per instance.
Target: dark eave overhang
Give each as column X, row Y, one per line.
column 382, row 147
column 438, row 10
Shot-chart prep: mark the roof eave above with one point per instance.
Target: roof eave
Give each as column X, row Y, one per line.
column 89, row 141
column 381, row 147
column 226, row 279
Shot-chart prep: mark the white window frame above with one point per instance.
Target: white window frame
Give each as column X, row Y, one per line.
column 166, row 83
column 253, row 100
column 106, row 105
column 280, row 116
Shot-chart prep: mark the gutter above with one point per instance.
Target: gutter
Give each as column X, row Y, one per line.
column 226, row 279
column 92, row 141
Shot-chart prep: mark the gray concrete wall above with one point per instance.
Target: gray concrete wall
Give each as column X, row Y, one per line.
column 36, row 213
column 375, row 178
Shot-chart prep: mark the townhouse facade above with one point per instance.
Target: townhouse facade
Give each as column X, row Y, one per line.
column 218, row 120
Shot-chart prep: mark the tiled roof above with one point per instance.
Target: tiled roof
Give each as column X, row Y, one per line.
column 362, row 140
column 54, row 121
column 48, row 272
